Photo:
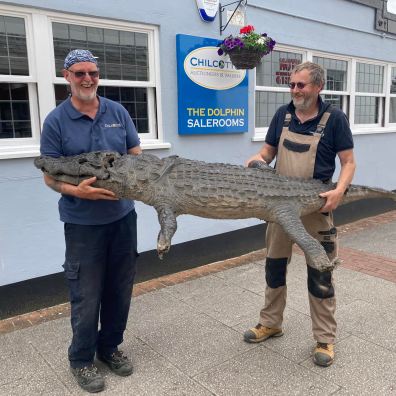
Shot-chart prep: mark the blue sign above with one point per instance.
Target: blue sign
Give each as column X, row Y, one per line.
column 212, row 94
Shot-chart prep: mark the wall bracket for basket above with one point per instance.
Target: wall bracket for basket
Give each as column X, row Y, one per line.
column 222, row 8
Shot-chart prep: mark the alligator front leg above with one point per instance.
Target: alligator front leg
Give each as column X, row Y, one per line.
column 168, row 223
column 290, row 221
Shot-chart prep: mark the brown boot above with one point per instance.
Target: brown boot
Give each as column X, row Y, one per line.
column 261, row 333
column 323, row 354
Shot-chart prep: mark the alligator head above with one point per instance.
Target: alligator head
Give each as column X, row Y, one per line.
column 78, row 167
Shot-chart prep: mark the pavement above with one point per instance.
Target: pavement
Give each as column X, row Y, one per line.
column 185, row 331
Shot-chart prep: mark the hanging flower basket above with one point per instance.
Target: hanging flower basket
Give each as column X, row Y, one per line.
column 246, row 49
column 245, row 58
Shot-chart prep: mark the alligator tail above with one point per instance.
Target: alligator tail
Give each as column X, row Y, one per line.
column 356, row 193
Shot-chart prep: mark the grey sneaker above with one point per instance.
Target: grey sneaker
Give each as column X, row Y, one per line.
column 118, row 363
column 89, row 378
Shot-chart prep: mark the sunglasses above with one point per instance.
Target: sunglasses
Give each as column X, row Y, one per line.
column 299, row 85
column 81, row 74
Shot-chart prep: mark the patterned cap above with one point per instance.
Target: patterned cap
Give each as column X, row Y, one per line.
column 77, row 56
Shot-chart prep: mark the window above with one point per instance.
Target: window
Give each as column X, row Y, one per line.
column 123, row 58
column 272, row 79
column 392, row 107
column 356, row 86
column 336, row 78
column 33, row 46
column 369, row 87
column 17, row 87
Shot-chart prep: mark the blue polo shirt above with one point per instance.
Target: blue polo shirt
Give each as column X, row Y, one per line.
column 337, row 135
column 68, row 132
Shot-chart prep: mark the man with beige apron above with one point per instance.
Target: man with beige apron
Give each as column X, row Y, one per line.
column 306, row 136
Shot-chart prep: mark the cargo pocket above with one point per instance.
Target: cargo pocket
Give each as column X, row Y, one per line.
column 72, row 269
column 328, row 239
column 72, row 274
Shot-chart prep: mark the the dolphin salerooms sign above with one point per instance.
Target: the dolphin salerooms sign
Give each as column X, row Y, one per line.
column 212, row 94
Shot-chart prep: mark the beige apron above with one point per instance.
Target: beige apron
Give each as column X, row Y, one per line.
column 296, row 157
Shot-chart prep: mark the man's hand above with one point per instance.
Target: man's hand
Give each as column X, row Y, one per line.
column 266, row 154
column 256, row 157
column 333, row 199
column 85, row 191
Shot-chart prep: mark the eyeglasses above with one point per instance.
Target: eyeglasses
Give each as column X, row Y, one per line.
column 299, row 85
column 81, row 74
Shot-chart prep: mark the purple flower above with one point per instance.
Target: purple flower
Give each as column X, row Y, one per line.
column 264, row 34
column 220, row 51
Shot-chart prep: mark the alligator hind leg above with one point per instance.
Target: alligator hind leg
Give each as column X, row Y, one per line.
column 290, row 221
column 168, row 223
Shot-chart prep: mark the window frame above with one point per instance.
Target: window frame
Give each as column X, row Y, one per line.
column 23, row 147
column 388, row 98
column 261, row 132
column 383, row 126
column 42, row 75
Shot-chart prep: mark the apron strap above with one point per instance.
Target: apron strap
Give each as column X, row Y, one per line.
column 287, row 120
column 323, row 121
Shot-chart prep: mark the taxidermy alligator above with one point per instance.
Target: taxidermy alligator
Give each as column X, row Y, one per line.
column 175, row 186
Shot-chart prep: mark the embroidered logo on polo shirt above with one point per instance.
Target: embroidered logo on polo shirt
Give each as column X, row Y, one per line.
column 112, row 125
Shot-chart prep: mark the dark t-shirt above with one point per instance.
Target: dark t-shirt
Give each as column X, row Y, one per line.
column 337, row 135
column 67, row 132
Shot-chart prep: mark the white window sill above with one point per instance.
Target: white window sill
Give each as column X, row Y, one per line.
column 19, row 152
column 34, row 150
column 154, row 145
column 260, row 137
column 373, row 131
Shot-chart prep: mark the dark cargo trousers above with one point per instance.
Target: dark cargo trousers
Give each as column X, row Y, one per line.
column 100, row 268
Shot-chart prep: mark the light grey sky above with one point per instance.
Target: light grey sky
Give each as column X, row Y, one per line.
column 392, row 6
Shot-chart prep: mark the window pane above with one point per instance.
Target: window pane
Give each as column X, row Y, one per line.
column 393, row 81
column 366, row 110
column 133, row 99
column 266, row 105
column 335, row 100
column 335, row 73
column 275, row 68
column 121, row 55
column 392, row 111
column 13, row 49
column 14, row 111
column 369, row 78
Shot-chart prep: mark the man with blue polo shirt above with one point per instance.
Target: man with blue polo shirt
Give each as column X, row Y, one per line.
column 100, row 230
column 306, row 136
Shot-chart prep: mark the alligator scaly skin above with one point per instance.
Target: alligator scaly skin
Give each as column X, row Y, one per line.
column 175, row 186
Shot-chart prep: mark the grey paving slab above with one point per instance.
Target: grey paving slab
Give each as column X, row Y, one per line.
column 360, row 367
column 376, row 291
column 155, row 378
column 42, row 383
column 196, row 343
column 261, row 371
column 23, row 369
column 152, row 311
column 250, row 277
column 369, row 323
column 218, row 298
column 378, row 240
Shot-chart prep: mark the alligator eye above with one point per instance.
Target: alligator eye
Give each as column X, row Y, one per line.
column 82, row 160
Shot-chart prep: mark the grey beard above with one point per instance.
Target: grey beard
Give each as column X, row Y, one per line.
column 302, row 106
